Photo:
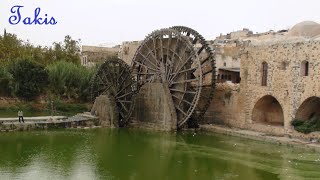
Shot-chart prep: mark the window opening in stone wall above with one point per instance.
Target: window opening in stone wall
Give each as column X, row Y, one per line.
column 84, row 60
column 284, row 66
column 126, row 50
column 224, row 64
column 264, row 74
column 304, row 70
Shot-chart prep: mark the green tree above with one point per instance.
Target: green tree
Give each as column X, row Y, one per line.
column 70, row 80
column 10, row 47
column 68, row 50
column 6, row 82
column 30, row 78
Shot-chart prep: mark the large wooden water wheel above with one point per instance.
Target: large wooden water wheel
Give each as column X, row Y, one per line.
column 207, row 59
column 169, row 57
column 113, row 78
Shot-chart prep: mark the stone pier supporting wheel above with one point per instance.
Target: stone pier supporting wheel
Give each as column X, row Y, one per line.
column 207, row 59
column 113, row 78
column 169, row 57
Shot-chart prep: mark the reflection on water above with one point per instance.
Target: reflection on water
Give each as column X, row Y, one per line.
column 133, row 154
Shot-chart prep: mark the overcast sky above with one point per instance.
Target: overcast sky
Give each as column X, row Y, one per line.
column 98, row 22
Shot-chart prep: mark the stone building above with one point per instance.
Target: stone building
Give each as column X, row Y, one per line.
column 228, row 63
column 91, row 55
column 228, row 49
column 232, row 36
column 127, row 50
column 280, row 81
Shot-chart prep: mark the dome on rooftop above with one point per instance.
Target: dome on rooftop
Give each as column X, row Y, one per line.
column 305, row 29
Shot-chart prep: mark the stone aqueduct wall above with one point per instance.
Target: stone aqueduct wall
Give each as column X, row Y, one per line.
column 286, row 87
column 227, row 106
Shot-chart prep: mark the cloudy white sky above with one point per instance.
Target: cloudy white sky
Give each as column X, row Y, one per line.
column 98, row 22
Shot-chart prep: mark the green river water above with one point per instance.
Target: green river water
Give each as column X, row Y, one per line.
column 136, row 154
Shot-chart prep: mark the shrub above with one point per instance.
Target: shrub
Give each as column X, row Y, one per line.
column 6, row 82
column 303, row 128
column 297, row 122
column 70, row 80
column 63, row 108
column 307, row 126
column 30, row 78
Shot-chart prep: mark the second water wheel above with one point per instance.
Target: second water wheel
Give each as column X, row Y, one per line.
column 113, row 79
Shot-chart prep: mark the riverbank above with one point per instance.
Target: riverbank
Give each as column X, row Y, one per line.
column 42, row 107
column 310, row 141
column 85, row 120
column 281, row 140
column 82, row 120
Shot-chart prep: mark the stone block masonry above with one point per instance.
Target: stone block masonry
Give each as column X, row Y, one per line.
column 154, row 108
column 292, row 89
column 105, row 107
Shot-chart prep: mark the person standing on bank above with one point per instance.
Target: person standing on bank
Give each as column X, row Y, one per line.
column 20, row 114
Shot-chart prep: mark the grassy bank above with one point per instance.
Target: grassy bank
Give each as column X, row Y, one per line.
column 36, row 109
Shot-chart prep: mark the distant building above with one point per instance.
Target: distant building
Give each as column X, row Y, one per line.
column 92, row 55
column 127, row 50
column 230, row 46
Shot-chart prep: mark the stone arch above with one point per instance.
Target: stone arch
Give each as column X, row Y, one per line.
column 309, row 108
column 268, row 110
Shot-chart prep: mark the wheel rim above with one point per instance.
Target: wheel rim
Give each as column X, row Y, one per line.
column 207, row 59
